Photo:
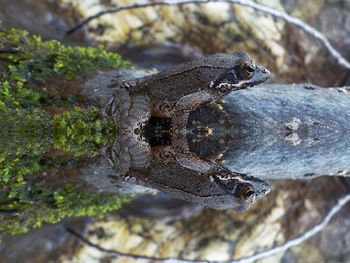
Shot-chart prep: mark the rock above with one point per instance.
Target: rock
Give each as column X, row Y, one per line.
column 291, row 54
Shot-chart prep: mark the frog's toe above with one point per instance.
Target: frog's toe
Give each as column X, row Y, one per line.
column 218, row 106
column 106, row 111
column 128, row 178
column 127, row 85
column 217, row 157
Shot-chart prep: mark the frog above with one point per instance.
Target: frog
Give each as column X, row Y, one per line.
column 201, row 81
column 177, row 172
column 181, row 87
column 208, row 184
column 173, row 93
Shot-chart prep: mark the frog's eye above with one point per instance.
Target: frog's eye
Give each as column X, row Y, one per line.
column 247, row 69
column 247, row 193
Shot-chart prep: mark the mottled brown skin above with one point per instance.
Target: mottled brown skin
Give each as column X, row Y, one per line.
column 173, row 93
column 241, row 191
column 216, row 187
column 173, row 169
column 129, row 113
column 204, row 80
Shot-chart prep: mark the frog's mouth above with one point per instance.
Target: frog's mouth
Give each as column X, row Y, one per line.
column 224, row 85
column 228, row 87
column 247, row 189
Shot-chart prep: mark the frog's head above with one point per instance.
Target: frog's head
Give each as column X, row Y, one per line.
column 245, row 189
column 241, row 72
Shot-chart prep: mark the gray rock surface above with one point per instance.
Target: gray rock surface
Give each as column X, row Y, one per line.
column 281, row 131
column 290, row 208
column 291, row 54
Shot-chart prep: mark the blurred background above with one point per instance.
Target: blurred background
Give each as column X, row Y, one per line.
column 161, row 36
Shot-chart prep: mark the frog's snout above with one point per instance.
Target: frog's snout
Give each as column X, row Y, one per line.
column 261, row 188
column 261, row 74
column 266, row 191
column 266, row 71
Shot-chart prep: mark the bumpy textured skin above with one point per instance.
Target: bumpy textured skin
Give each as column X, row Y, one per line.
column 129, row 113
column 166, row 174
column 167, row 87
column 173, row 93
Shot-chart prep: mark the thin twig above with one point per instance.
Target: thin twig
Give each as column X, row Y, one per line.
column 117, row 253
column 290, row 19
column 10, row 50
column 260, row 255
column 9, row 212
column 300, row 239
column 134, row 6
column 297, row 22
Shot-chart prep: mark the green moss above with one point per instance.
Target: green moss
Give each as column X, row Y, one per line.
column 32, row 60
column 27, row 131
column 27, row 134
column 31, row 206
column 24, row 136
column 80, row 131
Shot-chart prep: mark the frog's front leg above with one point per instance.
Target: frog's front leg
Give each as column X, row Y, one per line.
column 179, row 119
column 179, row 131
column 217, row 104
column 184, row 106
column 191, row 161
column 192, row 101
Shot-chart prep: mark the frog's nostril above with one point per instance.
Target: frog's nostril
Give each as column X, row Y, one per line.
column 266, row 71
column 266, row 191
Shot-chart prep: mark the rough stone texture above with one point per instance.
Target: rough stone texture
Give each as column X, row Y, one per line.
column 209, row 234
column 166, row 228
column 288, row 52
column 278, row 131
column 42, row 17
column 290, row 208
column 50, row 243
column 291, row 54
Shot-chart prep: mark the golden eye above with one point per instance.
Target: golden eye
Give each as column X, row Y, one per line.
column 248, row 69
column 247, row 193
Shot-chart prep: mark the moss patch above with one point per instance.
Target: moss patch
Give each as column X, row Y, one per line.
column 27, row 131
column 30, row 207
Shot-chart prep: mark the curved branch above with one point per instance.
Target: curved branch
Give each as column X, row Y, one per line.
column 121, row 254
column 260, row 255
column 297, row 22
column 300, row 239
column 273, row 12
column 134, row 6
